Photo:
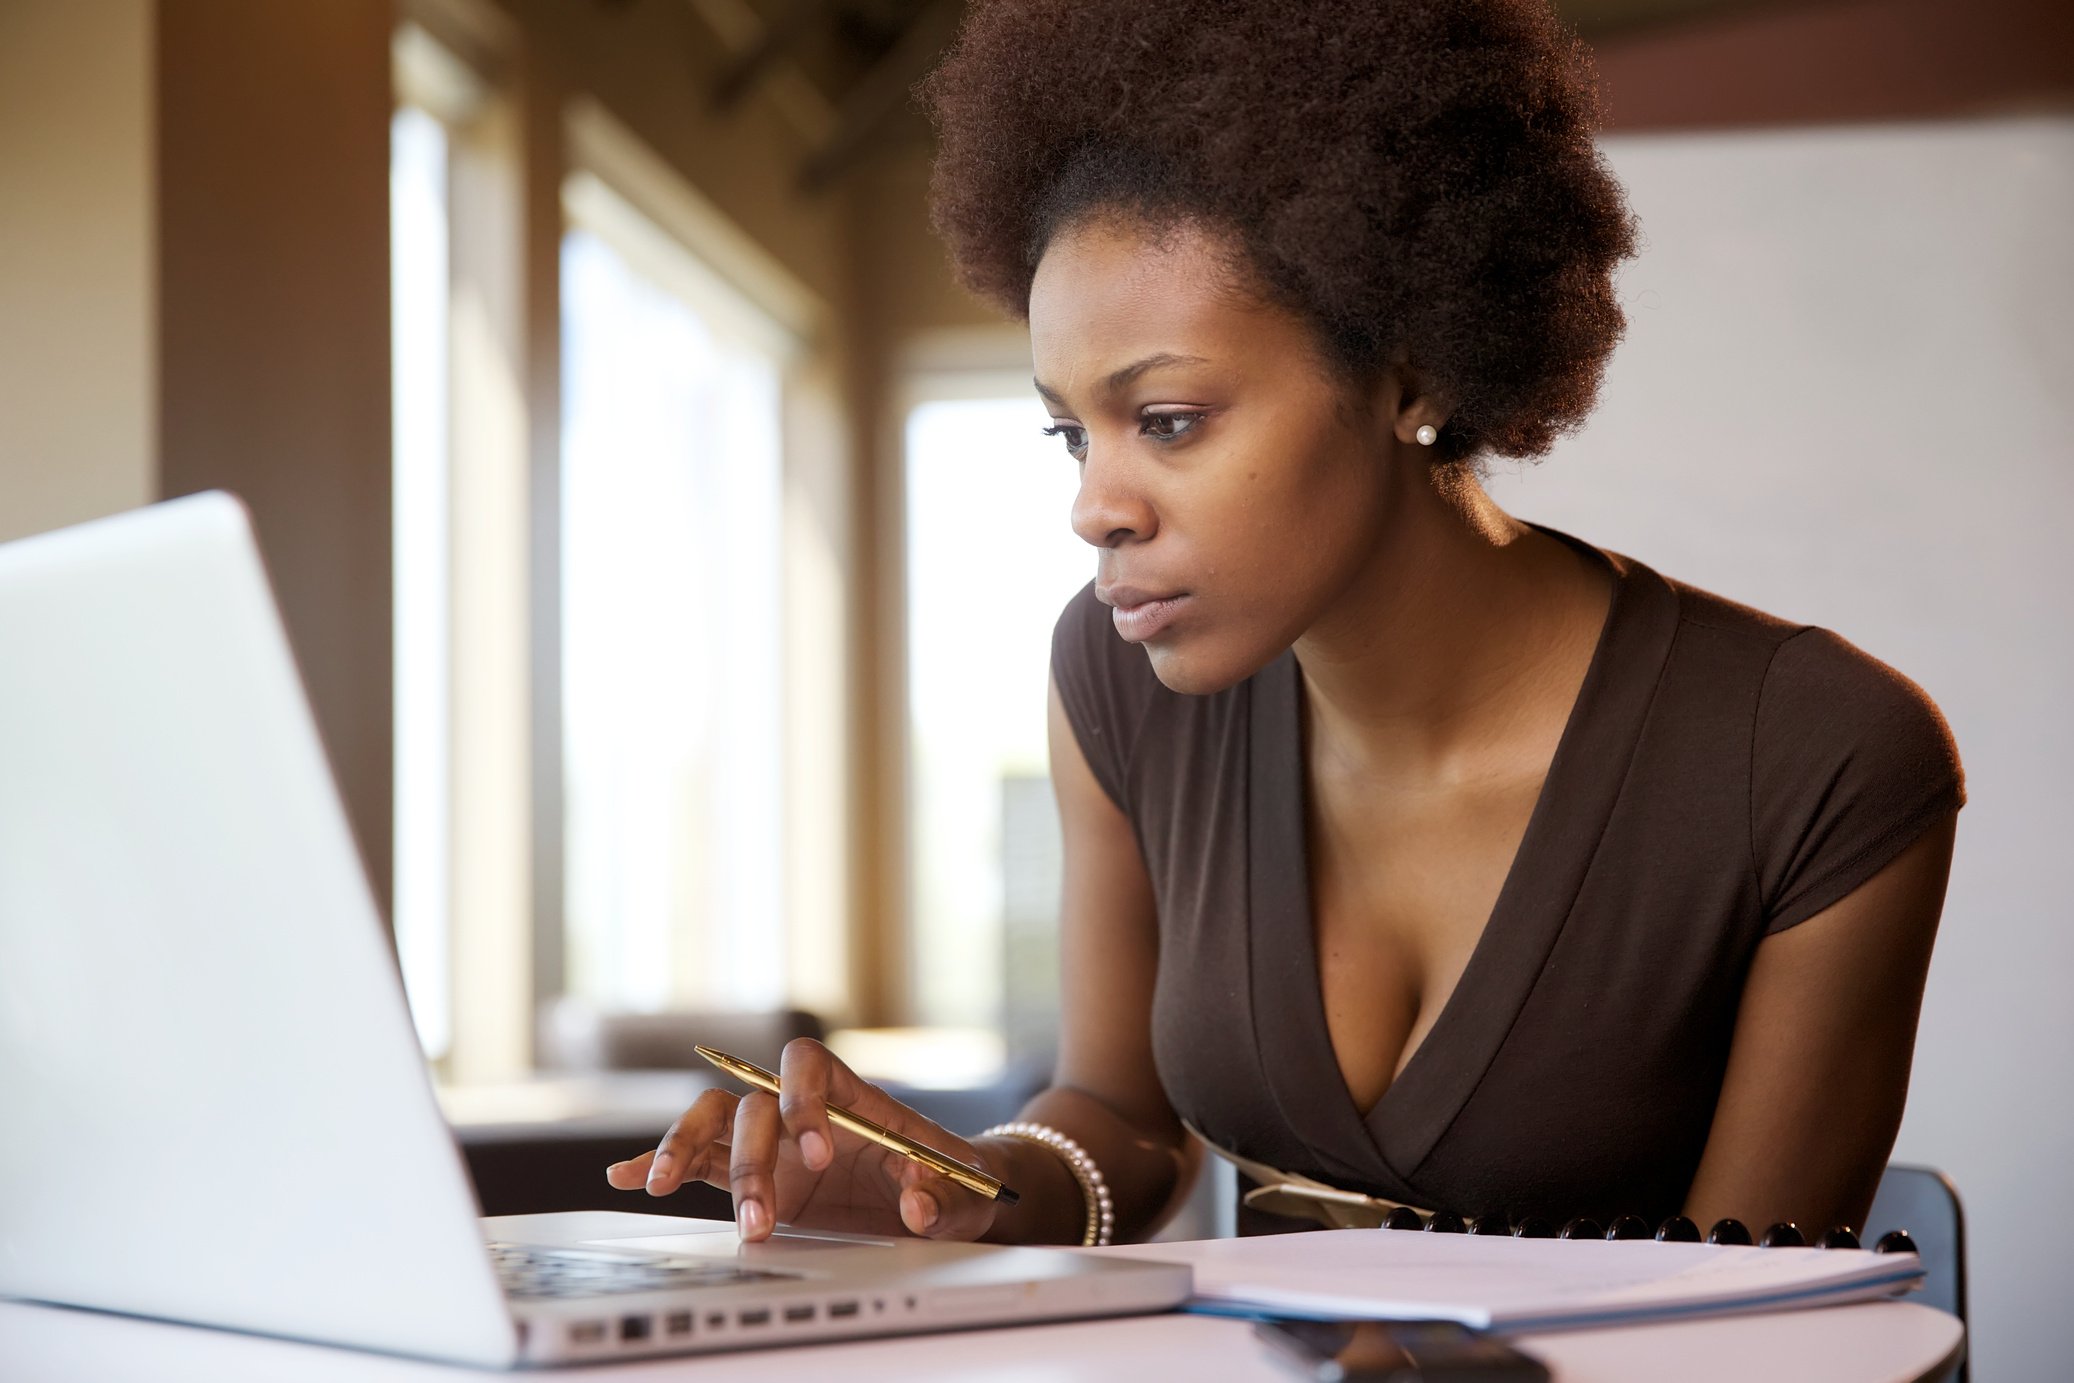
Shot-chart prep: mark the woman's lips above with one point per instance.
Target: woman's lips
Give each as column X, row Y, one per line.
column 1147, row 619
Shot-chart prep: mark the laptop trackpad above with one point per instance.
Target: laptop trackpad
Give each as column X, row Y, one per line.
column 724, row 1241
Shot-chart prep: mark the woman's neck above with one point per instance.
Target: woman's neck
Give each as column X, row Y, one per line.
column 1451, row 642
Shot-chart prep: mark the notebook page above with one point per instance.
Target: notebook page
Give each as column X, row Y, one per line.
column 1516, row 1284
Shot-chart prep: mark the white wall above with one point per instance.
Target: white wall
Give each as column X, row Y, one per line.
column 1847, row 396
column 77, row 398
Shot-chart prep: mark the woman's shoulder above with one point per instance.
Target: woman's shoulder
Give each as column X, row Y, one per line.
column 1105, row 685
column 1083, row 631
column 1088, row 658
column 1813, row 678
column 1849, row 758
column 1142, row 739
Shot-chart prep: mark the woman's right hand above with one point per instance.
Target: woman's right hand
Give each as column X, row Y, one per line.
column 785, row 1163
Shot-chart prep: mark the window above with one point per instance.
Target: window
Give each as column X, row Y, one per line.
column 672, row 625
column 419, row 247
column 991, row 562
column 606, row 787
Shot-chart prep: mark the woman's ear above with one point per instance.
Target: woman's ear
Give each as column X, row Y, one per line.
column 1405, row 404
column 1421, row 422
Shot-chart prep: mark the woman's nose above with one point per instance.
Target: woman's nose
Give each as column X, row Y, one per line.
column 1110, row 509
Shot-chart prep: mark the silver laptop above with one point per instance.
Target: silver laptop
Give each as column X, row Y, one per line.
column 212, row 1104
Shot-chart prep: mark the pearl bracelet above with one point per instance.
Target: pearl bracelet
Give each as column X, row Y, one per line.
column 1101, row 1211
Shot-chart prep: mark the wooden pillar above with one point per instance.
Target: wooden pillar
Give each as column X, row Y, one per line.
column 272, row 127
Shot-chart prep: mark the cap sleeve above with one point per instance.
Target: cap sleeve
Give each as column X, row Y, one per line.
column 1851, row 762
column 1101, row 681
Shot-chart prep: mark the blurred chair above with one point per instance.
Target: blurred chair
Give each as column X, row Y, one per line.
column 574, row 1035
column 531, row 1172
column 1924, row 1202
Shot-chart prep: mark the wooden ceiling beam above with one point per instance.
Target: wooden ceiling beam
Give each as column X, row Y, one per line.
column 753, row 63
column 882, row 92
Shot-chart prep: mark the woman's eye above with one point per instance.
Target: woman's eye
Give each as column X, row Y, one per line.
column 1076, row 437
column 1167, row 426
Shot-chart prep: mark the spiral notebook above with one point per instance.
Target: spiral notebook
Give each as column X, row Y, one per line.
column 1518, row 1285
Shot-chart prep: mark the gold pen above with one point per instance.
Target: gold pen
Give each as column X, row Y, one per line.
column 969, row 1177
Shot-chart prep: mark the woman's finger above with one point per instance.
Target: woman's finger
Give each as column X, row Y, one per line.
column 935, row 1207
column 751, row 1167
column 682, row 1154
column 806, row 1072
column 811, row 1078
column 632, row 1174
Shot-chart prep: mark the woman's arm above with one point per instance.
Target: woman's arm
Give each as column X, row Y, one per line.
column 1106, row 1095
column 1818, row 1070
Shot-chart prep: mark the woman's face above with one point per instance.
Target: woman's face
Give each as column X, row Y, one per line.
column 1230, row 486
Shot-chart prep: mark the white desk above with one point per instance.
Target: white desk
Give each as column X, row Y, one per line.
column 1878, row 1342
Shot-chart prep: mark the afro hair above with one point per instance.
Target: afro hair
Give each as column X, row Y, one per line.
column 1414, row 178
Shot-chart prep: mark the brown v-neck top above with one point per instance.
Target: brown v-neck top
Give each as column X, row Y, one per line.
column 1723, row 775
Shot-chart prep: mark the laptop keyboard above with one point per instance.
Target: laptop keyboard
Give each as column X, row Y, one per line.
column 534, row 1271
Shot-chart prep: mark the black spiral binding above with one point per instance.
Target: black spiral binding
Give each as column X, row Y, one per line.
column 1675, row 1230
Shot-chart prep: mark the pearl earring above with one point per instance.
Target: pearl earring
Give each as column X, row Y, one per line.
column 1426, row 435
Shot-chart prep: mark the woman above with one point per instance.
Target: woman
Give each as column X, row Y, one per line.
column 1410, row 848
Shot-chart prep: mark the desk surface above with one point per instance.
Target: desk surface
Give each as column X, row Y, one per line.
column 1877, row 1342
column 636, row 1104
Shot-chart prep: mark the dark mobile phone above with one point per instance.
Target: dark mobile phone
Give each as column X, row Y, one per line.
column 1397, row 1352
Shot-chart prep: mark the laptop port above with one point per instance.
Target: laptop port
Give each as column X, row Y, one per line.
column 678, row 1323
column 586, row 1332
column 760, row 1316
column 839, row 1309
column 715, row 1319
column 799, row 1313
column 635, row 1327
